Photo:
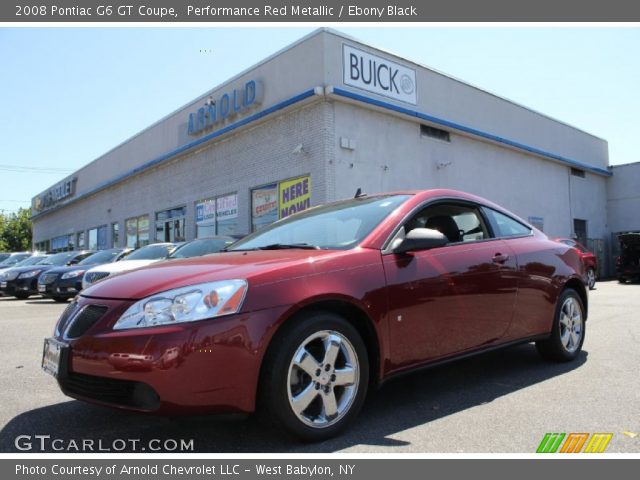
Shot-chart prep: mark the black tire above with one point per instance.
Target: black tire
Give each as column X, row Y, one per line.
column 553, row 347
column 591, row 275
column 622, row 280
column 274, row 404
column 60, row 299
column 22, row 295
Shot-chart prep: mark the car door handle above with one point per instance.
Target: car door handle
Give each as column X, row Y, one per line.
column 500, row 258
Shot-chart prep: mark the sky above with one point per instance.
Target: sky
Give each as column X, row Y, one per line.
column 68, row 95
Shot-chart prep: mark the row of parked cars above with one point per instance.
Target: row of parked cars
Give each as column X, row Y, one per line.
column 62, row 276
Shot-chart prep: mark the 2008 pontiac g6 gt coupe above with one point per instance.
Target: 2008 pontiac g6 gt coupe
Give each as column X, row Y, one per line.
column 301, row 318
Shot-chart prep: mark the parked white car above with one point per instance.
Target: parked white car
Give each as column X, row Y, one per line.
column 142, row 257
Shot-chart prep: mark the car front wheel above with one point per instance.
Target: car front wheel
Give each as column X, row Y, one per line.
column 567, row 335
column 315, row 376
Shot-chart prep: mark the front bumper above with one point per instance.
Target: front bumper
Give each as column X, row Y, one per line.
column 19, row 286
column 61, row 288
column 200, row 367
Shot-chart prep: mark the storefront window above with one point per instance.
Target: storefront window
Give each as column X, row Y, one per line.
column 115, row 234
column 279, row 200
column 80, row 240
column 98, row 238
column 137, row 230
column 217, row 216
column 62, row 243
column 170, row 225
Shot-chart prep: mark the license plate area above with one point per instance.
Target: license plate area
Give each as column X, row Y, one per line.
column 3, row 284
column 42, row 288
column 54, row 354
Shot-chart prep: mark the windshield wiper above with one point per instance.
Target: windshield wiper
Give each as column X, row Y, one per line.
column 284, row 246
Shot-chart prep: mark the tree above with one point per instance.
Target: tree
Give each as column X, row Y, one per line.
column 15, row 231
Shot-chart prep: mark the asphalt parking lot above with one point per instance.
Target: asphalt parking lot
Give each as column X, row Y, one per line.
column 499, row 402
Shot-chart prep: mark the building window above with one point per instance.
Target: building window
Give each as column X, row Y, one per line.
column 115, row 234
column 576, row 172
column 170, row 225
column 279, row 200
column 217, row 216
column 80, row 240
column 62, row 243
column 98, row 238
column 43, row 246
column 137, row 230
column 580, row 230
column 433, row 132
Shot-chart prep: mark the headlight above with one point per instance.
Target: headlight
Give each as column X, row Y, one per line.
column 9, row 275
column 73, row 274
column 186, row 304
column 30, row 274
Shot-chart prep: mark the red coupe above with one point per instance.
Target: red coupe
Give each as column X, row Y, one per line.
column 300, row 319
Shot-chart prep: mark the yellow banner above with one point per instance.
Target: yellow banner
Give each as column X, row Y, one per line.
column 294, row 195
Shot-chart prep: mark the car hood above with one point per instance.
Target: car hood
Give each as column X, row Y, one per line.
column 123, row 266
column 171, row 274
column 71, row 268
column 32, row 267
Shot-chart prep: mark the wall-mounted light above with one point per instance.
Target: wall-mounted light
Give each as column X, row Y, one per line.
column 299, row 150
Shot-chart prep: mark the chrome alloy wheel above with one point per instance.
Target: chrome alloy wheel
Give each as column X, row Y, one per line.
column 571, row 324
column 323, row 379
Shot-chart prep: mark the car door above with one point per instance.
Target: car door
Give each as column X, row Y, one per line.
column 453, row 298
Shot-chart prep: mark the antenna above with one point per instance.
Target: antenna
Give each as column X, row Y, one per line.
column 359, row 193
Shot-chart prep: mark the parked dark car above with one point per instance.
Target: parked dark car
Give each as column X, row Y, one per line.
column 12, row 259
column 589, row 260
column 304, row 316
column 202, row 246
column 22, row 282
column 63, row 283
column 628, row 263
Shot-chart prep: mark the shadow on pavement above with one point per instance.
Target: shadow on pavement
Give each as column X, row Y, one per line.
column 403, row 403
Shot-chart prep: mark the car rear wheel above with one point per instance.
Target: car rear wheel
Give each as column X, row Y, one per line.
column 567, row 335
column 591, row 278
column 315, row 376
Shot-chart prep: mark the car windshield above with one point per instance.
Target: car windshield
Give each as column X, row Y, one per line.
column 59, row 259
column 197, row 248
column 31, row 261
column 152, row 252
column 336, row 226
column 103, row 256
column 13, row 260
column 3, row 256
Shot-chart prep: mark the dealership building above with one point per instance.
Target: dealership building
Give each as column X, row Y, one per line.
column 313, row 123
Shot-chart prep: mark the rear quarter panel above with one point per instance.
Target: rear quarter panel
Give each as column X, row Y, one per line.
column 544, row 268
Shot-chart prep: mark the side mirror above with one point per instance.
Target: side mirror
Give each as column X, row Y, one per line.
column 421, row 239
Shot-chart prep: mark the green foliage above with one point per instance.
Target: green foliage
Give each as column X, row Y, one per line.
column 15, row 231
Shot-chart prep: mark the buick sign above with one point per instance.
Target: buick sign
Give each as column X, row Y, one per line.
column 378, row 75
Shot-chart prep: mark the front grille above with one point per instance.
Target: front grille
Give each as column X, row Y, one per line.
column 48, row 278
column 124, row 393
column 84, row 320
column 93, row 277
column 63, row 321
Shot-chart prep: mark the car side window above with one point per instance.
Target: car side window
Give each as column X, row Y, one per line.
column 459, row 223
column 506, row 226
